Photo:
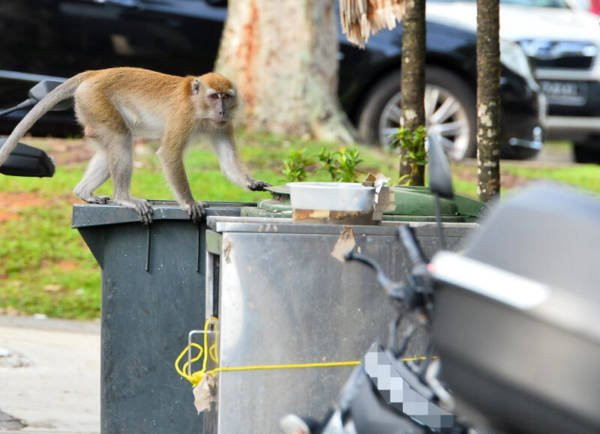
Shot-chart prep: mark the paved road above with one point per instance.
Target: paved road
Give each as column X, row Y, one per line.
column 49, row 376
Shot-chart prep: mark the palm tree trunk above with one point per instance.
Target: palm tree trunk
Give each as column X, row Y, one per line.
column 413, row 83
column 488, row 99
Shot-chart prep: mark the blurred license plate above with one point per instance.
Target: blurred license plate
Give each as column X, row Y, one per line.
column 565, row 92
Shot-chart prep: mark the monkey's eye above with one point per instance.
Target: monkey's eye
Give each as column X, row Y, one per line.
column 226, row 96
column 213, row 96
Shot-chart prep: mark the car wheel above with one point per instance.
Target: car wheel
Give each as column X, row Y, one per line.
column 449, row 112
column 584, row 152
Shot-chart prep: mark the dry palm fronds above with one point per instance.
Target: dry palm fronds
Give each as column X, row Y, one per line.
column 362, row 18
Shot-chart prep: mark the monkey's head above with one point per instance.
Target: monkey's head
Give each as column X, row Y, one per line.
column 216, row 98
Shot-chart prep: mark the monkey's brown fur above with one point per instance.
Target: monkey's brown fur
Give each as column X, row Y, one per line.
column 114, row 105
column 216, row 81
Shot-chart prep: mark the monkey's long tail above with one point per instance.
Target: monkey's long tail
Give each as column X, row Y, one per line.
column 58, row 94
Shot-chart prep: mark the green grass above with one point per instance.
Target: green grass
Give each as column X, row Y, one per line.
column 586, row 177
column 46, row 268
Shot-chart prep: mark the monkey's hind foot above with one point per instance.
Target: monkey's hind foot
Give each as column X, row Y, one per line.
column 141, row 206
column 100, row 200
column 195, row 210
column 254, row 185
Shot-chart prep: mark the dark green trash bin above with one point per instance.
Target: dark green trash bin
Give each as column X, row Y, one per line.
column 153, row 292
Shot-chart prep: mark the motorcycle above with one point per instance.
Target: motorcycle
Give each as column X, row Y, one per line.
column 511, row 324
column 26, row 160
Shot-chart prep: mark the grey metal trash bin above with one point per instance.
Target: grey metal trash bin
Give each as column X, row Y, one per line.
column 281, row 298
column 153, row 282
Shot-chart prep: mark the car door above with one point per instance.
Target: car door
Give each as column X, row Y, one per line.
column 59, row 38
column 176, row 36
column 63, row 37
column 171, row 36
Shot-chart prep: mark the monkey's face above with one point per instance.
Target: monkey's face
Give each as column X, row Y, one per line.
column 221, row 106
column 215, row 98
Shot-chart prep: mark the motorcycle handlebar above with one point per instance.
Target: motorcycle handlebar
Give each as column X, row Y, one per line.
column 394, row 289
column 411, row 245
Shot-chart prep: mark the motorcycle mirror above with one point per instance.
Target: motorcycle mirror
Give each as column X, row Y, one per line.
column 43, row 88
column 440, row 179
column 440, row 182
column 26, row 160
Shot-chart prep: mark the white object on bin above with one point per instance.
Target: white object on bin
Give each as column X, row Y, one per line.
column 332, row 196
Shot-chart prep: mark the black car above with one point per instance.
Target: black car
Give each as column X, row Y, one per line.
column 59, row 38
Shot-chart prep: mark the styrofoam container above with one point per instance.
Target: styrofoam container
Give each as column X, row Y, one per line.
column 332, row 196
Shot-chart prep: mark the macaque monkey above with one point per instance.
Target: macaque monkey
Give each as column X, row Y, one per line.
column 117, row 104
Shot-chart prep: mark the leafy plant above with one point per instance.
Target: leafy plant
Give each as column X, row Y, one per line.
column 412, row 146
column 404, row 180
column 327, row 159
column 348, row 159
column 341, row 165
column 295, row 165
column 413, row 142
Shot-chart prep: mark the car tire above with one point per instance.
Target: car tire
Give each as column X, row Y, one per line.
column 584, row 152
column 450, row 86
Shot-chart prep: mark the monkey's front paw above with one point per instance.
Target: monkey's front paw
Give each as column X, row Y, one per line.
column 144, row 209
column 141, row 206
column 195, row 211
column 254, row 185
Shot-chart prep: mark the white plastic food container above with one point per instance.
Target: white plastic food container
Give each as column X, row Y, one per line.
column 332, row 196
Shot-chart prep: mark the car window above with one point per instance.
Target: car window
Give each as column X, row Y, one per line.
column 215, row 3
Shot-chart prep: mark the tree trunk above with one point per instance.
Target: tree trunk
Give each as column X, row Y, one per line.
column 283, row 57
column 488, row 99
column 413, row 83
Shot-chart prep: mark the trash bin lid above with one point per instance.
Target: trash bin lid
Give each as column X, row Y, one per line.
column 88, row 215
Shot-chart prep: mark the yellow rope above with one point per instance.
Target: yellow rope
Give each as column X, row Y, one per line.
column 196, row 377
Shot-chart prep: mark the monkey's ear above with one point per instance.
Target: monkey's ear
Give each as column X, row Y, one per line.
column 196, row 86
